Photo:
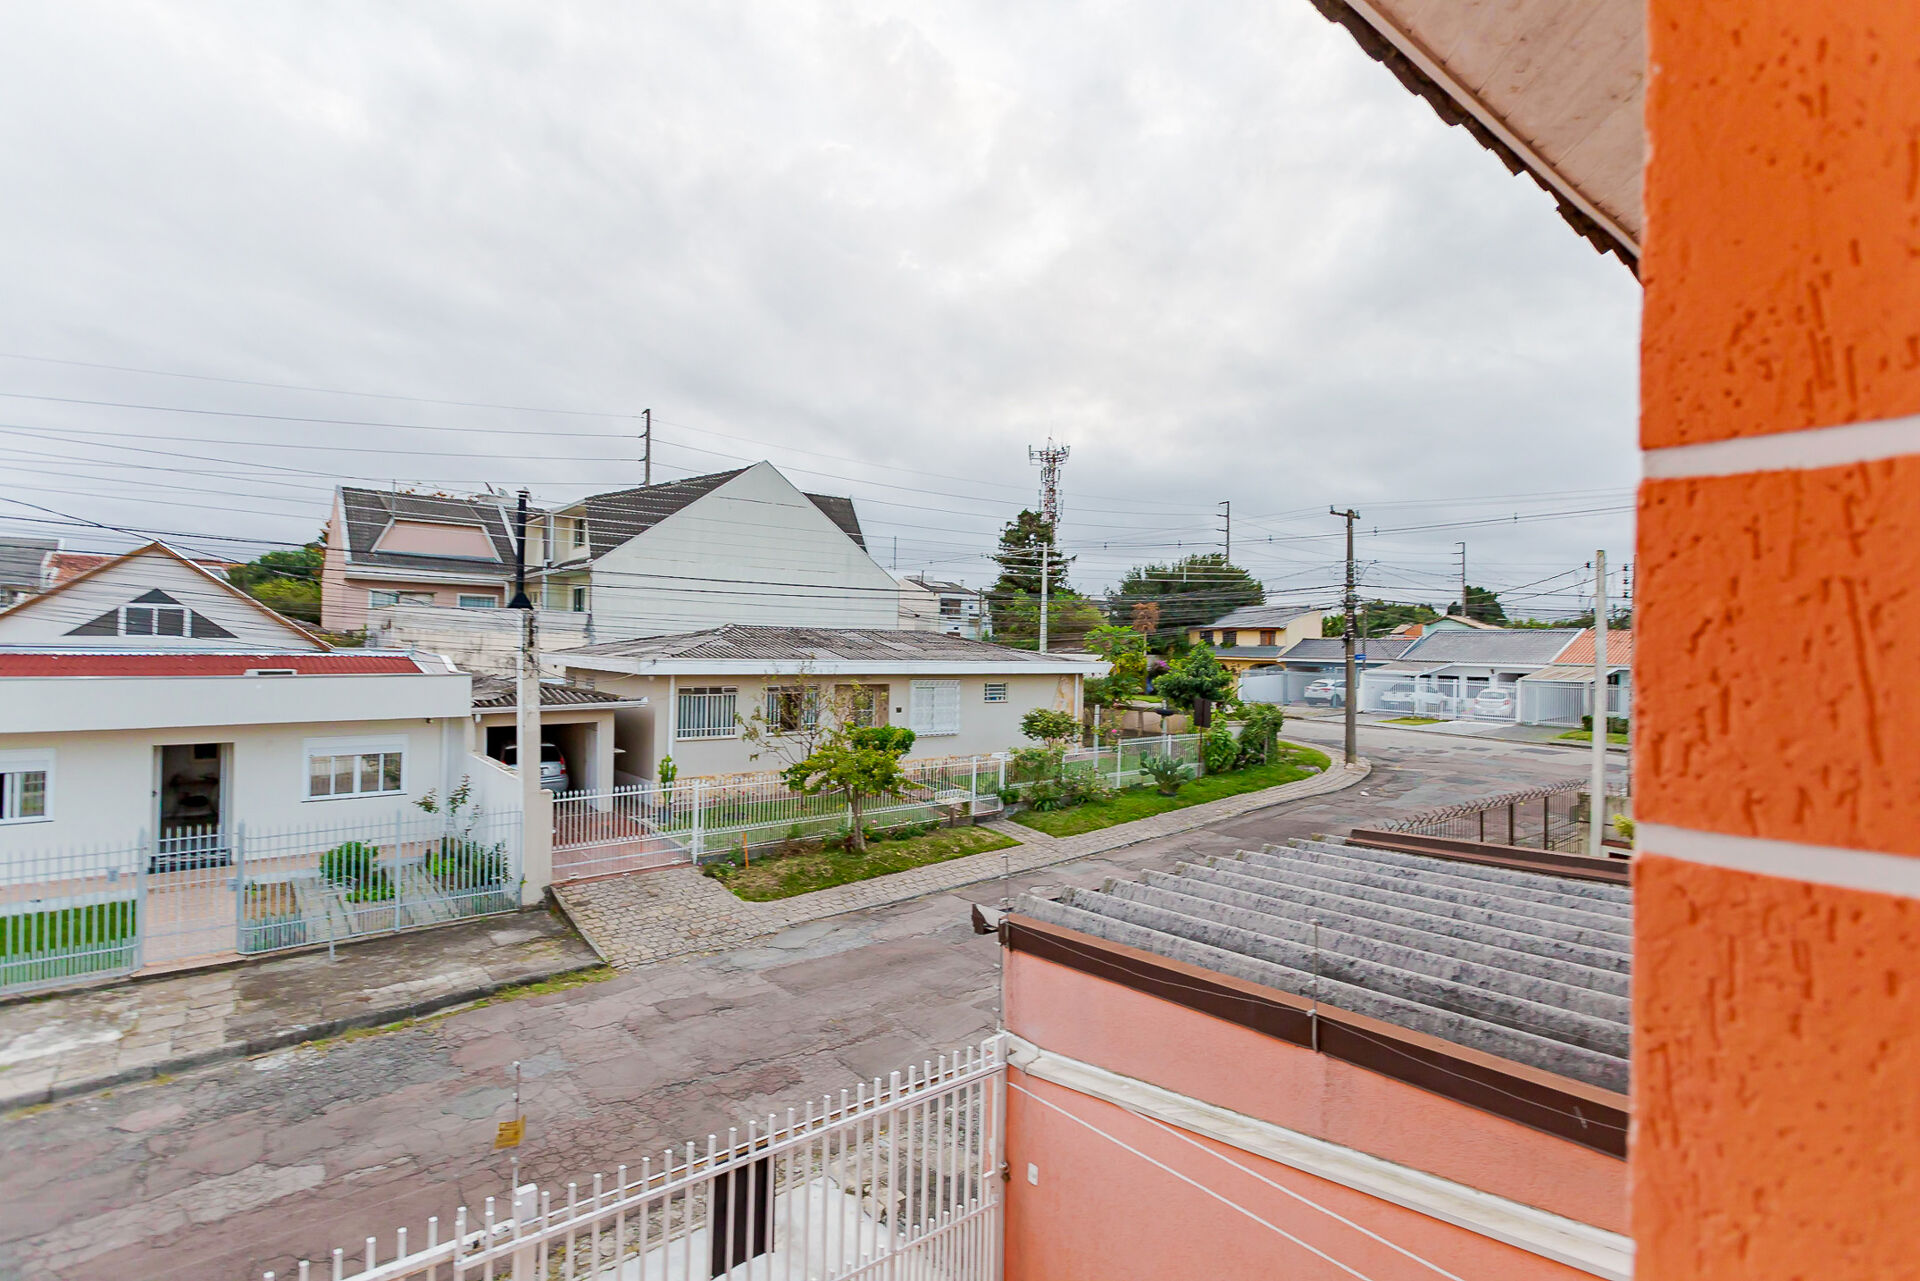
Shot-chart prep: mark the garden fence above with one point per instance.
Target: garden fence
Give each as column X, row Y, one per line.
column 897, row 1179
column 200, row 893
column 1549, row 817
column 696, row 819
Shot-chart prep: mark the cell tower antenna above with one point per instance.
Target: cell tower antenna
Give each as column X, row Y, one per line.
column 1050, row 459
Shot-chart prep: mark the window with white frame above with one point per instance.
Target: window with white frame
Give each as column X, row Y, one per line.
column 792, row 708
column 26, row 791
column 936, row 707
column 352, row 768
column 479, row 602
column 996, row 691
column 380, row 597
column 862, row 706
column 154, row 620
column 707, row 711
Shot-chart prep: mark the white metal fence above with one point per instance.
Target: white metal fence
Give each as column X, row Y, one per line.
column 195, row 893
column 897, row 1179
column 628, row 828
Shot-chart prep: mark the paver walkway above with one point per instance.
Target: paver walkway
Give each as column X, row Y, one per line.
column 635, row 920
column 59, row 1045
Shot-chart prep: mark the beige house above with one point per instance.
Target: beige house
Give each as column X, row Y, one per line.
column 1257, row 635
column 707, row 693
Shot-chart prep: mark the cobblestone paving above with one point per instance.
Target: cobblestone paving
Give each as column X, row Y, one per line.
column 650, row 916
column 108, row 1035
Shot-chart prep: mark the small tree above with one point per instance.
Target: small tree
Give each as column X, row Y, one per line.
column 858, row 762
column 1195, row 676
column 1046, row 726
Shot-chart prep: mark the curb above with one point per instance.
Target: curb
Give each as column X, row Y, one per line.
column 279, row 1040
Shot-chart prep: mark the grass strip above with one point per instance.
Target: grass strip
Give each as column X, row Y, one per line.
column 774, row 876
column 1135, row 803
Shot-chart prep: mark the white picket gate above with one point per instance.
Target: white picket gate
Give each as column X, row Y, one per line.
column 898, row 1179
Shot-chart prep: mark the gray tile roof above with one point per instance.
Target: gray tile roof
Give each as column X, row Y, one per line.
column 736, row 642
column 616, row 516
column 1527, row 966
column 23, row 561
column 491, row 693
column 369, row 511
column 1332, row 649
column 1521, row 646
column 1263, row 616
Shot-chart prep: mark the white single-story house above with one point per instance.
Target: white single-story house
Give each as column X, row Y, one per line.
column 1443, row 672
column 147, row 700
column 702, row 691
column 1562, row 693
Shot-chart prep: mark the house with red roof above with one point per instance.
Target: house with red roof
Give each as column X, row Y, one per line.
column 145, row 700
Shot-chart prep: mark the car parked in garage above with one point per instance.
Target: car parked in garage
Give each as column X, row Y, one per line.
column 553, row 766
column 1496, row 702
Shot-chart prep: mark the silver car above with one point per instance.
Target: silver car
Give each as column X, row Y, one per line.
column 1495, row 703
column 553, row 766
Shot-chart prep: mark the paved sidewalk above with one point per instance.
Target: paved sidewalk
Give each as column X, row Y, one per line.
column 650, row 916
column 72, row 1042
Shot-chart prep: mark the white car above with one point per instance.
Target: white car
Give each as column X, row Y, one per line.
column 1326, row 690
column 1495, row 703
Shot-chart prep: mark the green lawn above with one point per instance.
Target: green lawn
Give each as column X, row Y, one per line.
column 1586, row 736
column 66, row 941
column 783, row 875
column 1144, row 802
column 1413, row 720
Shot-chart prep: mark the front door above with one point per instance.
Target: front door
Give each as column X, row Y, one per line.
column 192, row 804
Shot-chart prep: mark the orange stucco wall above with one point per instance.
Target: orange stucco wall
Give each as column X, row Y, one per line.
column 1775, row 1072
column 1092, row 1210
column 1091, row 1194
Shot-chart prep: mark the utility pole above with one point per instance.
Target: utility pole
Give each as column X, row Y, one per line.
column 648, row 415
column 1353, row 683
column 1226, row 505
column 1463, row 578
column 1046, row 566
column 536, row 843
column 1597, row 800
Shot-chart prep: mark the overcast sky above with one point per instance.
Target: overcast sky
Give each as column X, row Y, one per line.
column 1213, row 248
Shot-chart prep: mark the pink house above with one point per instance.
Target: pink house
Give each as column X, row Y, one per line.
column 391, row 548
column 1321, row 1058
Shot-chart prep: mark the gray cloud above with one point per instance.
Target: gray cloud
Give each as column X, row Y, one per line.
column 1214, row 248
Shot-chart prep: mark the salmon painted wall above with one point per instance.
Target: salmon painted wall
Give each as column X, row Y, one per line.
column 1777, row 1080
column 1095, row 1206
column 1098, row 1211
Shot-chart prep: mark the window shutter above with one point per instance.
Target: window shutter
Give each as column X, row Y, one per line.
column 936, row 707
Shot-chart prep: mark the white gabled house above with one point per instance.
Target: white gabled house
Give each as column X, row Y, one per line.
column 147, row 700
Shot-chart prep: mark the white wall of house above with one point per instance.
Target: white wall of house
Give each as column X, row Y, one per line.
column 103, row 783
column 50, row 619
column 481, row 641
column 755, row 551
column 981, row 726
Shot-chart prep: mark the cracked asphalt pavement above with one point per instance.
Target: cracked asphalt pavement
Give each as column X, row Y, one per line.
column 250, row 1165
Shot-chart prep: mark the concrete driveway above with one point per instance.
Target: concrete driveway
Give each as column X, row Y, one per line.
column 250, row 1165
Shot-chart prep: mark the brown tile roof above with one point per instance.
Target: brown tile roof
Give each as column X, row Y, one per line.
column 1619, row 648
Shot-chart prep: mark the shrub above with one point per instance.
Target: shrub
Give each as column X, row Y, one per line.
column 1615, row 724
column 1260, row 734
column 1033, row 763
column 460, row 863
column 1219, row 749
column 350, row 862
column 1049, row 726
column 1623, row 825
column 1167, row 772
column 375, row 887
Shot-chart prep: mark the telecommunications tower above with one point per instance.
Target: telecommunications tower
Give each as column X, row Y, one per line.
column 1049, row 459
